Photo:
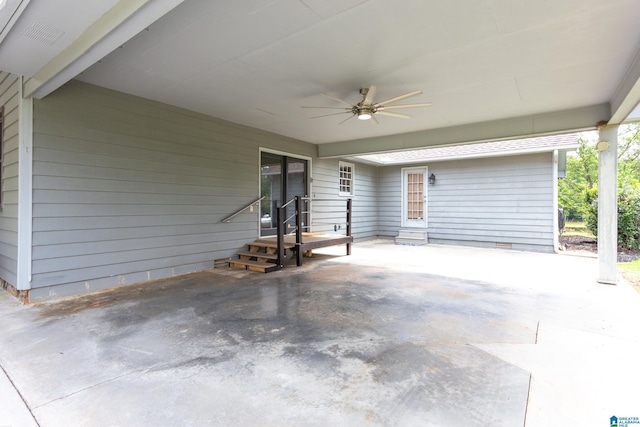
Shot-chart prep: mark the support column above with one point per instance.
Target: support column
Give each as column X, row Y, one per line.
column 25, row 191
column 607, row 204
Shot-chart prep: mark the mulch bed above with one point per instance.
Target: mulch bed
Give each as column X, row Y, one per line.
column 590, row 245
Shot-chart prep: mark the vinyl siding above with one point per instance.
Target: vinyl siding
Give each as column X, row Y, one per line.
column 482, row 202
column 127, row 189
column 9, row 98
column 389, row 200
column 328, row 214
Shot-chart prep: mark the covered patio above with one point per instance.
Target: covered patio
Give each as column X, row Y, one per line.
column 491, row 70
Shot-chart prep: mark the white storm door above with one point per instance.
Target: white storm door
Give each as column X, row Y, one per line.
column 414, row 197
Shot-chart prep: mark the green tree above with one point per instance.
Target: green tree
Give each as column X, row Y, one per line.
column 581, row 176
column 582, row 179
column 629, row 156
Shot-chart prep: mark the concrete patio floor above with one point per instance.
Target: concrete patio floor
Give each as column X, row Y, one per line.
column 392, row 335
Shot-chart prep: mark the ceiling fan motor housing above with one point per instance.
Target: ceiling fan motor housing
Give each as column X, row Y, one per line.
column 366, row 108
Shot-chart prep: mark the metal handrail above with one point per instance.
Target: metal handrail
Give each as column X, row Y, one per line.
column 227, row 219
column 288, row 203
column 281, row 223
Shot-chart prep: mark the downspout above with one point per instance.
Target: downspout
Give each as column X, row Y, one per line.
column 554, row 174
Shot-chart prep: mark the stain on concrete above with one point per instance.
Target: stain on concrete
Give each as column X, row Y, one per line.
column 324, row 344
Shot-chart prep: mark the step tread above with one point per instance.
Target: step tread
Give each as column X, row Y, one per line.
column 264, row 267
column 259, row 255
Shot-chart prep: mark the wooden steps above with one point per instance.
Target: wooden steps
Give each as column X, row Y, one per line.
column 261, row 256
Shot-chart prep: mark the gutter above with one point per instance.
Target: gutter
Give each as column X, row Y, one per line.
column 556, row 232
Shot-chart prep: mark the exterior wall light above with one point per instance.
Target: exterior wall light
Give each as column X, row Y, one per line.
column 432, row 179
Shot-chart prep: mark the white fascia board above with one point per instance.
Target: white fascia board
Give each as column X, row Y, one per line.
column 122, row 22
column 17, row 7
column 566, row 147
column 627, row 96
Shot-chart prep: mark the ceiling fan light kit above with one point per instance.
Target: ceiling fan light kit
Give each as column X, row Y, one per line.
column 364, row 114
column 366, row 109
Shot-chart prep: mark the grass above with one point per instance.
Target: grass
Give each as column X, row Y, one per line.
column 631, row 272
column 576, row 229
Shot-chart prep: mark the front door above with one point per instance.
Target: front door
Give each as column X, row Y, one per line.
column 281, row 178
column 414, row 197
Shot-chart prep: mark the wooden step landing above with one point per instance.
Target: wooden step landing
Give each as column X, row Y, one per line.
column 269, row 244
column 247, row 264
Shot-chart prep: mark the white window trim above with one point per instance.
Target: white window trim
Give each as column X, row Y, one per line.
column 351, row 183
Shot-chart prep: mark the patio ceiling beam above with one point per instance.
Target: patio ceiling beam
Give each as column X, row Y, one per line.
column 627, row 96
column 111, row 30
column 510, row 128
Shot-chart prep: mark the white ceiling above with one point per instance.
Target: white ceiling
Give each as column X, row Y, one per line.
column 256, row 62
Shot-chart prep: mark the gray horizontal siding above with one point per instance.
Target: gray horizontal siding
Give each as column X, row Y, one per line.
column 327, row 214
column 389, row 200
column 481, row 202
column 127, row 189
column 9, row 98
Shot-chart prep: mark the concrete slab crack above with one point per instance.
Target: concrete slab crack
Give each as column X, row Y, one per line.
column 13, row 385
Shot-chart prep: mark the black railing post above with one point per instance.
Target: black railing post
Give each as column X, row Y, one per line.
column 280, row 237
column 298, row 231
column 349, row 204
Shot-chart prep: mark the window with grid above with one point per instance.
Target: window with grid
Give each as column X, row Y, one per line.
column 415, row 196
column 346, row 179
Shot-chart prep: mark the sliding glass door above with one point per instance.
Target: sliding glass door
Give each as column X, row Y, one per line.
column 281, row 178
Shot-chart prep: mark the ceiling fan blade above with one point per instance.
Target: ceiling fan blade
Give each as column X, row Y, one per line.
column 374, row 120
column 348, row 118
column 332, row 108
column 397, row 107
column 386, row 113
column 337, row 99
column 368, row 100
column 399, row 98
column 327, row 115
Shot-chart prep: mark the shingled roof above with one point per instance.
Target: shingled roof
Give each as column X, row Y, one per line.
column 539, row 144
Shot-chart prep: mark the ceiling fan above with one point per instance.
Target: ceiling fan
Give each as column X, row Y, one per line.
column 366, row 109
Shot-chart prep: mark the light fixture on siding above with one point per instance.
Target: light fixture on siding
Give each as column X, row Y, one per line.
column 432, row 179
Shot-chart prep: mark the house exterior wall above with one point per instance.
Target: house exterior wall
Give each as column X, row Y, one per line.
column 481, row 202
column 328, row 214
column 10, row 100
column 127, row 190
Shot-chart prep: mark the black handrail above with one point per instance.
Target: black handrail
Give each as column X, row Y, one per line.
column 282, row 225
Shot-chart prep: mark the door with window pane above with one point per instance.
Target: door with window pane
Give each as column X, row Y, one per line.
column 414, row 197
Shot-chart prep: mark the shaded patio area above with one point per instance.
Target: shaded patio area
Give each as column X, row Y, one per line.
column 391, row 335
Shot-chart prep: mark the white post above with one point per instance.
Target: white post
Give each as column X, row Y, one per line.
column 25, row 190
column 608, row 204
